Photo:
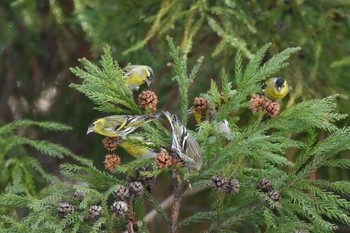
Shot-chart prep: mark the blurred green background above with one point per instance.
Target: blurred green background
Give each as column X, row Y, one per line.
column 40, row 40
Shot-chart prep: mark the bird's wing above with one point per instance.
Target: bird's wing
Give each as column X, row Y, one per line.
column 194, row 154
column 115, row 122
column 134, row 69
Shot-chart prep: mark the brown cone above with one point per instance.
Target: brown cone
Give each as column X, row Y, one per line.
column 201, row 105
column 111, row 161
column 148, row 100
column 272, row 108
column 110, row 143
column 257, row 102
column 165, row 160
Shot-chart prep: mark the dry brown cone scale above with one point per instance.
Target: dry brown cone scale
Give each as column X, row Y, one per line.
column 165, row 160
column 258, row 102
column 148, row 100
column 201, row 106
column 111, row 161
column 272, row 108
column 110, row 143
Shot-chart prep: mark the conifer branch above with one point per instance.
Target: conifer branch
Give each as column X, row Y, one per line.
column 184, row 80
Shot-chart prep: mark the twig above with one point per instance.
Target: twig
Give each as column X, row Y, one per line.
column 167, row 203
column 177, row 201
column 132, row 222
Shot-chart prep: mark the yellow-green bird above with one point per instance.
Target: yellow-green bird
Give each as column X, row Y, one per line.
column 136, row 75
column 137, row 147
column 184, row 144
column 276, row 88
column 119, row 125
column 198, row 117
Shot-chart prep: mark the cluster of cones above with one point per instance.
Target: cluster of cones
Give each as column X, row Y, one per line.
column 260, row 102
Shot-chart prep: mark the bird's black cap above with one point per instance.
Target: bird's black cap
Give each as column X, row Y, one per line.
column 279, row 82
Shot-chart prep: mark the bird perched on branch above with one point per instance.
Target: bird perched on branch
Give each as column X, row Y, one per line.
column 119, row 125
column 184, row 144
column 276, row 88
column 136, row 75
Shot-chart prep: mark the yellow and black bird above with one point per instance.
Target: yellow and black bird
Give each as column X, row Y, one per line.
column 184, row 144
column 136, row 75
column 276, row 88
column 119, row 125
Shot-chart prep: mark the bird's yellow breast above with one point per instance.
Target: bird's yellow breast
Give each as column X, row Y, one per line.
column 273, row 94
column 135, row 79
column 271, row 91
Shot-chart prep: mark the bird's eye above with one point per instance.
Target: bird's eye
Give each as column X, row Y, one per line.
column 283, row 85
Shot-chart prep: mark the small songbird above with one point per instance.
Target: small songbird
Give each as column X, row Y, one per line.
column 119, row 125
column 136, row 75
column 198, row 117
column 137, row 147
column 184, row 144
column 276, row 88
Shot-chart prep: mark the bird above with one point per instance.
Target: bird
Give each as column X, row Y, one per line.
column 136, row 75
column 224, row 127
column 119, row 125
column 183, row 143
column 137, row 147
column 276, row 88
column 197, row 116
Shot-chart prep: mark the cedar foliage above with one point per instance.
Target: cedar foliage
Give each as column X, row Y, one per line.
column 249, row 153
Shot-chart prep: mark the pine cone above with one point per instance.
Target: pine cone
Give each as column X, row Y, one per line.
column 274, row 195
column 201, row 105
column 64, row 209
column 95, row 212
column 111, row 161
column 232, row 186
column 219, row 182
column 110, row 143
column 136, row 188
column 78, row 195
column 272, row 108
column 148, row 100
column 265, row 185
column 147, row 181
column 121, row 192
column 120, row 208
column 257, row 102
column 165, row 160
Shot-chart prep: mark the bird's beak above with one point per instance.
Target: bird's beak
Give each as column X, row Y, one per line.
column 149, row 82
column 90, row 129
column 279, row 89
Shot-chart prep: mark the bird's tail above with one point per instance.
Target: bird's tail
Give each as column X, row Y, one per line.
column 151, row 117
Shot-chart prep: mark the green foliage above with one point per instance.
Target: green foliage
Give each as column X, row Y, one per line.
column 19, row 171
column 105, row 86
column 184, row 80
column 249, row 152
column 23, row 179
